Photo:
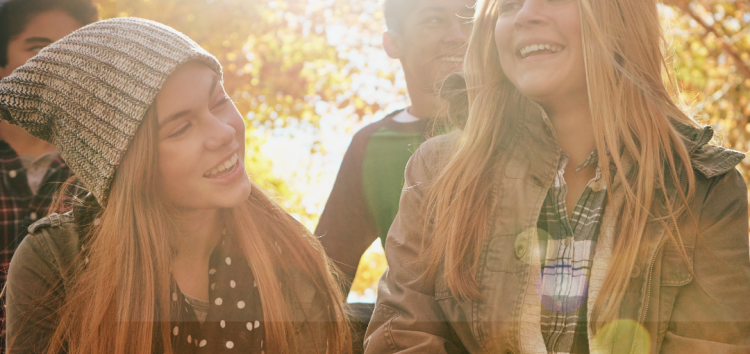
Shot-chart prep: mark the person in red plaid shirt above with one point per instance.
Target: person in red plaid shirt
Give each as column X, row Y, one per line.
column 31, row 170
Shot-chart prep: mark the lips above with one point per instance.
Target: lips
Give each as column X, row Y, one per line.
column 224, row 168
column 533, row 47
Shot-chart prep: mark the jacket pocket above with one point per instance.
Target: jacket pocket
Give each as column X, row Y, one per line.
column 509, row 253
column 674, row 271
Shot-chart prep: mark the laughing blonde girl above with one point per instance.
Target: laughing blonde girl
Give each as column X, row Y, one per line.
column 579, row 209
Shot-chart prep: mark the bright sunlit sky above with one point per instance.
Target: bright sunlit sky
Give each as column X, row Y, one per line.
column 312, row 176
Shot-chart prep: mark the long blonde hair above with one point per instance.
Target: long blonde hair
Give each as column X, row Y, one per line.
column 633, row 115
column 119, row 302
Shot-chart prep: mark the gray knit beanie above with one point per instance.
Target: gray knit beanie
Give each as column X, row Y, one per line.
column 88, row 93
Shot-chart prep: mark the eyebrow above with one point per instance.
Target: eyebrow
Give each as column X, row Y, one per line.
column 44, row 40
column 433, row 9
column 180, row 114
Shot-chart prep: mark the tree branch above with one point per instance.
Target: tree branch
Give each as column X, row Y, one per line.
column 726, row 47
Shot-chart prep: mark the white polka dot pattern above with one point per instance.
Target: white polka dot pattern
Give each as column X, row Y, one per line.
column 234, row 318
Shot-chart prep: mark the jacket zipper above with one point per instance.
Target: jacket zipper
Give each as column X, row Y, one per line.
column 650, row 278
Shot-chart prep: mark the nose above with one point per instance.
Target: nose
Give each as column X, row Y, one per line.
column 531, row 14
column 218, row 133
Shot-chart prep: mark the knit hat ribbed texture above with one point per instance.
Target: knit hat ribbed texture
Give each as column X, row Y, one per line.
column 88, row 93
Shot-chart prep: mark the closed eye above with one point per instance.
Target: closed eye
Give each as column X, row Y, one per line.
column 433, row 20
column 223, row 100
column 182, row 131
column 509, row 6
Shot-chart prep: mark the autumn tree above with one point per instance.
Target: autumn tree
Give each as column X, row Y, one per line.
column 291, row 63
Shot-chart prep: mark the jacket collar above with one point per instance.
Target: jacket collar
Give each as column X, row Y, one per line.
column 709, row 160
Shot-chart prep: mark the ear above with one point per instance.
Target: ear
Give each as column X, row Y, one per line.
column 393, row 44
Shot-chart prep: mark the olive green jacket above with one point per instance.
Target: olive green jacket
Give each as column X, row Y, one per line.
column 44, row 264
column 665, row 308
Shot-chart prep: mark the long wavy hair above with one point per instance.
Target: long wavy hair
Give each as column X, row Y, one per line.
column 119, row 302
column 634, row 109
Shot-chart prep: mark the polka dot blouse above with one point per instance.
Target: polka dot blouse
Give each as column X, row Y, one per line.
column 234, row 320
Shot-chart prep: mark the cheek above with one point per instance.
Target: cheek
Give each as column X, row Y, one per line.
column 175, row 165
column 503, row 44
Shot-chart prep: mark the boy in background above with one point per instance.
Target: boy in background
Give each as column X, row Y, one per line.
column 31, row 170
column 429, row 37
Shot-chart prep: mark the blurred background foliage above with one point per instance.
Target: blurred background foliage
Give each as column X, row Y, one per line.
column 307, row 74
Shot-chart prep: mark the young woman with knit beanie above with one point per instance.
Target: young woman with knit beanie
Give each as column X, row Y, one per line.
column 578, row 209
column 174, row 250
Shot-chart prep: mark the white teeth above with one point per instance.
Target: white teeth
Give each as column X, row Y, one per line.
column 525, row 51
column 227, row 165
column 453, row 59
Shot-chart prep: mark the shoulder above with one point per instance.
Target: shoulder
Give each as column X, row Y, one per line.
column 712, row 161
column 435, row 152
column 716, row 174
column 364, row 133
column 51, row 240
column 727, row 190
column 719, row 185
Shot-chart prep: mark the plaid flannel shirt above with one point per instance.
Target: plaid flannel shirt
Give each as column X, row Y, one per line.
column 570, row 247
column 19, row 208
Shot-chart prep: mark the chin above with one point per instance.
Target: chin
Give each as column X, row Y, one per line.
column 535, row 89
column 237, row 197
column 226, row 198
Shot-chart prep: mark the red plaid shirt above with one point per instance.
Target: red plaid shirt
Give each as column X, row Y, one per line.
column 19, row 208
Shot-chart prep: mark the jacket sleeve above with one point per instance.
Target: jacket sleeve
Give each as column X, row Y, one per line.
column 407, row 318
column 346, row 229
column 34, row 295
column 712, row 313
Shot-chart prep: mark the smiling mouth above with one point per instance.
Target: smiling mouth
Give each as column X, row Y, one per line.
column 536, row 49
column 223, row 168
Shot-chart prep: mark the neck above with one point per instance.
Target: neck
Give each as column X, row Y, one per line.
column 201, row 232
column 22, row 142
column 574, row 130
column 424, row 102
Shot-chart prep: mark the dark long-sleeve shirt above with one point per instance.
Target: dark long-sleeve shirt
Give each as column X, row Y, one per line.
column 364, row 199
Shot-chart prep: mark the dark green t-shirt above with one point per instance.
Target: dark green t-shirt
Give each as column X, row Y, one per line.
column 388, row 150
